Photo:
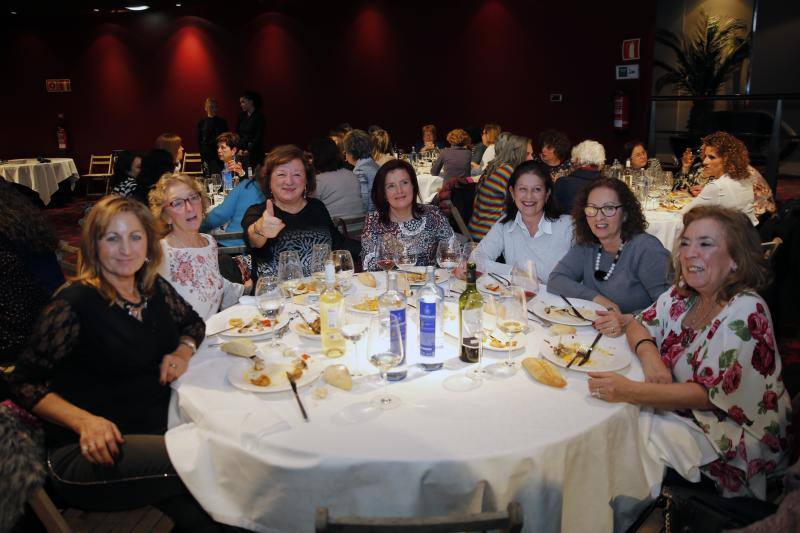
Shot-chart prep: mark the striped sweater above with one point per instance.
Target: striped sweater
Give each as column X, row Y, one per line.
column 490, row 201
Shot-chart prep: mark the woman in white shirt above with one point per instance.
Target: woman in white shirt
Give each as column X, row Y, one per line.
column 725, row 163
column 191, row 263
column 533, row 227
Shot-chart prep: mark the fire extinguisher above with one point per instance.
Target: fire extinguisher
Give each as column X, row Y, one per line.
column 61, row 134
column 621, row 111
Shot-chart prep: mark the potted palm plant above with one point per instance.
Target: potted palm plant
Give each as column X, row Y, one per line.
column 704, row 61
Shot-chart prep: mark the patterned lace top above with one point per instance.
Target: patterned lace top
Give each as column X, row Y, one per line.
column 96, row 356
column 125, row 187
column 194, row 273
column 421, row 235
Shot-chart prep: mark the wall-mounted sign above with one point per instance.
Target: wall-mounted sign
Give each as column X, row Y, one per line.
column 627, row 72
column 58, row 86
column 630, row 49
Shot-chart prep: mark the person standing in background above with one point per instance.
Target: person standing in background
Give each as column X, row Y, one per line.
column 208, row 129
column 250, row 127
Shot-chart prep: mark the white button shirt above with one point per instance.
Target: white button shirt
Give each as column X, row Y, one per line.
column 552, row 241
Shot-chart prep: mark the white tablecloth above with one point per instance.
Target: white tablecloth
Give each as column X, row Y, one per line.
column 573, row 461
column 664, row 225
column 41, row 177
column 428, row 186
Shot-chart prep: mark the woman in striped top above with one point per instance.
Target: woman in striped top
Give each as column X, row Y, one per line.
column 491, row 194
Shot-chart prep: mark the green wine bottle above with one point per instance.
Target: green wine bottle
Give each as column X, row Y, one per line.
column 470, row 318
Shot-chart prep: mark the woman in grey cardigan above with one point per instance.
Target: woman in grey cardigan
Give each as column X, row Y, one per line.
column 614, row 262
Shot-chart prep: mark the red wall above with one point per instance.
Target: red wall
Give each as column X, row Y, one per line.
column 396, row 64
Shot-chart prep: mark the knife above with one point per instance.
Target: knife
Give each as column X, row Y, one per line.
column 500, row 279
column 589, row 351
column 296, row 396
column 577, row 313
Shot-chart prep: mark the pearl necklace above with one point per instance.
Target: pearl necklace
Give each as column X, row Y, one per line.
column 599, row 275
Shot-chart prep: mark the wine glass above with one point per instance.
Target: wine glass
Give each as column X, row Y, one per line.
column 345, row 270
column 474, row 325
column 290, row 272
column 385, row 355
column 447, row 256
column 524, row 275
column 354, row 333
column 467, row 255
column 270, row 302
column 406, row 258
column 320, row 253
column 510, row 312
column 214, row 184
column 386, row 254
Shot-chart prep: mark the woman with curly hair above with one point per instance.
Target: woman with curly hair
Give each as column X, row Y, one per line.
column 725, row 163
column 707, row 349
column 454, row 160
column 554, row 151
column 614, row 262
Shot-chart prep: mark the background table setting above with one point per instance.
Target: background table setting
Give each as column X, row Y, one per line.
column 42, row 177
column 251, row 460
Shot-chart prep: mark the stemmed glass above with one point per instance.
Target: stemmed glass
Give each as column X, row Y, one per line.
column 345, row 270
column 524, row 275
column 319, row 254
column 475, row 325
column 214, row 184
column 354, row 333
column 385, row 356
column 447, row 255
column 290, row 272
column 467, row 255
column 510, row 312
column 406, row 258
column 269, row 299
column 386, row 254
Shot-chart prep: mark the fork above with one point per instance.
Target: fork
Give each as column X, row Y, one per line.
column 500, row 279
column 536, row 318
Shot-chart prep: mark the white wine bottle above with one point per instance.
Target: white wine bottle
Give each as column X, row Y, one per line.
column 331, row 312
column 470, row 318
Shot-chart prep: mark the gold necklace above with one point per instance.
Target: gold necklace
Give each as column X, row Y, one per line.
column 696, row 321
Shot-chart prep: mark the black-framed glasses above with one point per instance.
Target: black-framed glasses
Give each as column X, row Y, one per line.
column 180, row 203
column 607, row 210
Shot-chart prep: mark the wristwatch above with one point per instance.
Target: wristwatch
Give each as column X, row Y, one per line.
column 190, row 343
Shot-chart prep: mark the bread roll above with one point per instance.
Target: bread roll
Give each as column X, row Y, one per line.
column 544, row 372
column 367, row 279
column 338, row 376
column 240, row 347
column 562, row 329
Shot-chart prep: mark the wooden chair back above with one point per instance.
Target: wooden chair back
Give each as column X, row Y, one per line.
column 510, row 520
column 229, row 250
column 462, row 227
column 67, row 257
column 100, row 165
column 192, row 164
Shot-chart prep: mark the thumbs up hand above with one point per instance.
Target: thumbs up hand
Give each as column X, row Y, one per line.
column 271, row 224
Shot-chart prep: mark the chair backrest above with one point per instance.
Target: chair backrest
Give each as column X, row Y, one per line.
column 510, row 520
column 462, row 227
column 67, row 256
column 100, row 165
column 229, row 250
column 192, row 164
column 771, row 247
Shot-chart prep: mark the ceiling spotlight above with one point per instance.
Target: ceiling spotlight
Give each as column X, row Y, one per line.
column 137, row 8
column 96, row 10
column 177, row 5
column 13, row 12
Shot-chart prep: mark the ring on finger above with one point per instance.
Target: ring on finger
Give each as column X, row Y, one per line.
column 173, row 365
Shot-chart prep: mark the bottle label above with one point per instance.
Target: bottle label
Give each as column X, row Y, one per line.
column 332, row 318
column 427, row 329
column 397, row 322
column 227, row 180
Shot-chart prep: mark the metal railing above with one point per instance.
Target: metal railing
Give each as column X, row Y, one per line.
column 773, row 150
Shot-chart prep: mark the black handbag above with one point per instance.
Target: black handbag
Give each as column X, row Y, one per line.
column 691, row 510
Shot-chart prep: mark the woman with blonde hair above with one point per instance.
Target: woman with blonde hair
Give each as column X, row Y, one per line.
column 382, row 146
column 106, row 348
column 191, row 261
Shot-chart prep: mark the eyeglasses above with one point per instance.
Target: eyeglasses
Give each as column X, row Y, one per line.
column 180, row 203
column 607, row 210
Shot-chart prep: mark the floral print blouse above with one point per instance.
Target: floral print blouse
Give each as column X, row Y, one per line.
column 735, row 358
column 194, row 273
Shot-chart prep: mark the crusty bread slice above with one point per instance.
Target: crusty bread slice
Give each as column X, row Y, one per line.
column 544, row 372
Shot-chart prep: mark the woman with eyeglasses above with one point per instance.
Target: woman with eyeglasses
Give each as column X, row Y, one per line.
column 613, row 262
column 191, row 262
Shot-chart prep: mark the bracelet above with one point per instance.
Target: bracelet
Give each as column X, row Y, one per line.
column 648, row 339
column 192, row 346
column 255, row 229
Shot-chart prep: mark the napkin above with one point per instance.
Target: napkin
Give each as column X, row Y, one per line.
column 247, row 300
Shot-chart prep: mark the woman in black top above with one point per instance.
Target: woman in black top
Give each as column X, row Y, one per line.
column 289, row 219
column 99, row 366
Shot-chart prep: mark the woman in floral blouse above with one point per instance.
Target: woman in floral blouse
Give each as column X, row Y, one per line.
column 416, row 227
column 191, row 262
column 708, row 352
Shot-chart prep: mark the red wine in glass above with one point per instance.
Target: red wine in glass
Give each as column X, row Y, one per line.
column 386, row 264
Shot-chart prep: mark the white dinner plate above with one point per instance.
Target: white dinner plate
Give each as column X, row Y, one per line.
column 302, row 330
column 253, row 332
column 441, row 274
column 561, row 313
column 352, row 301
column 240, row 373
column 604, row 358
column 488, row 285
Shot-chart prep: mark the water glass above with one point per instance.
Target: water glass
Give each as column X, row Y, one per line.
column 270, row 302
column 320, row 253
column 384, row 355
column 345, row 269
column 511, row 314
column 290, row 272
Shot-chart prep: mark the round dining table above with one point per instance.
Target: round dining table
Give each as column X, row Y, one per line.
column 573, row 461
column 665, row 225
column 40, row 177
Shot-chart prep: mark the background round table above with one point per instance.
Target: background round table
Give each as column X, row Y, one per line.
column 41, row 177
column 665, row 226
column 573, row 461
